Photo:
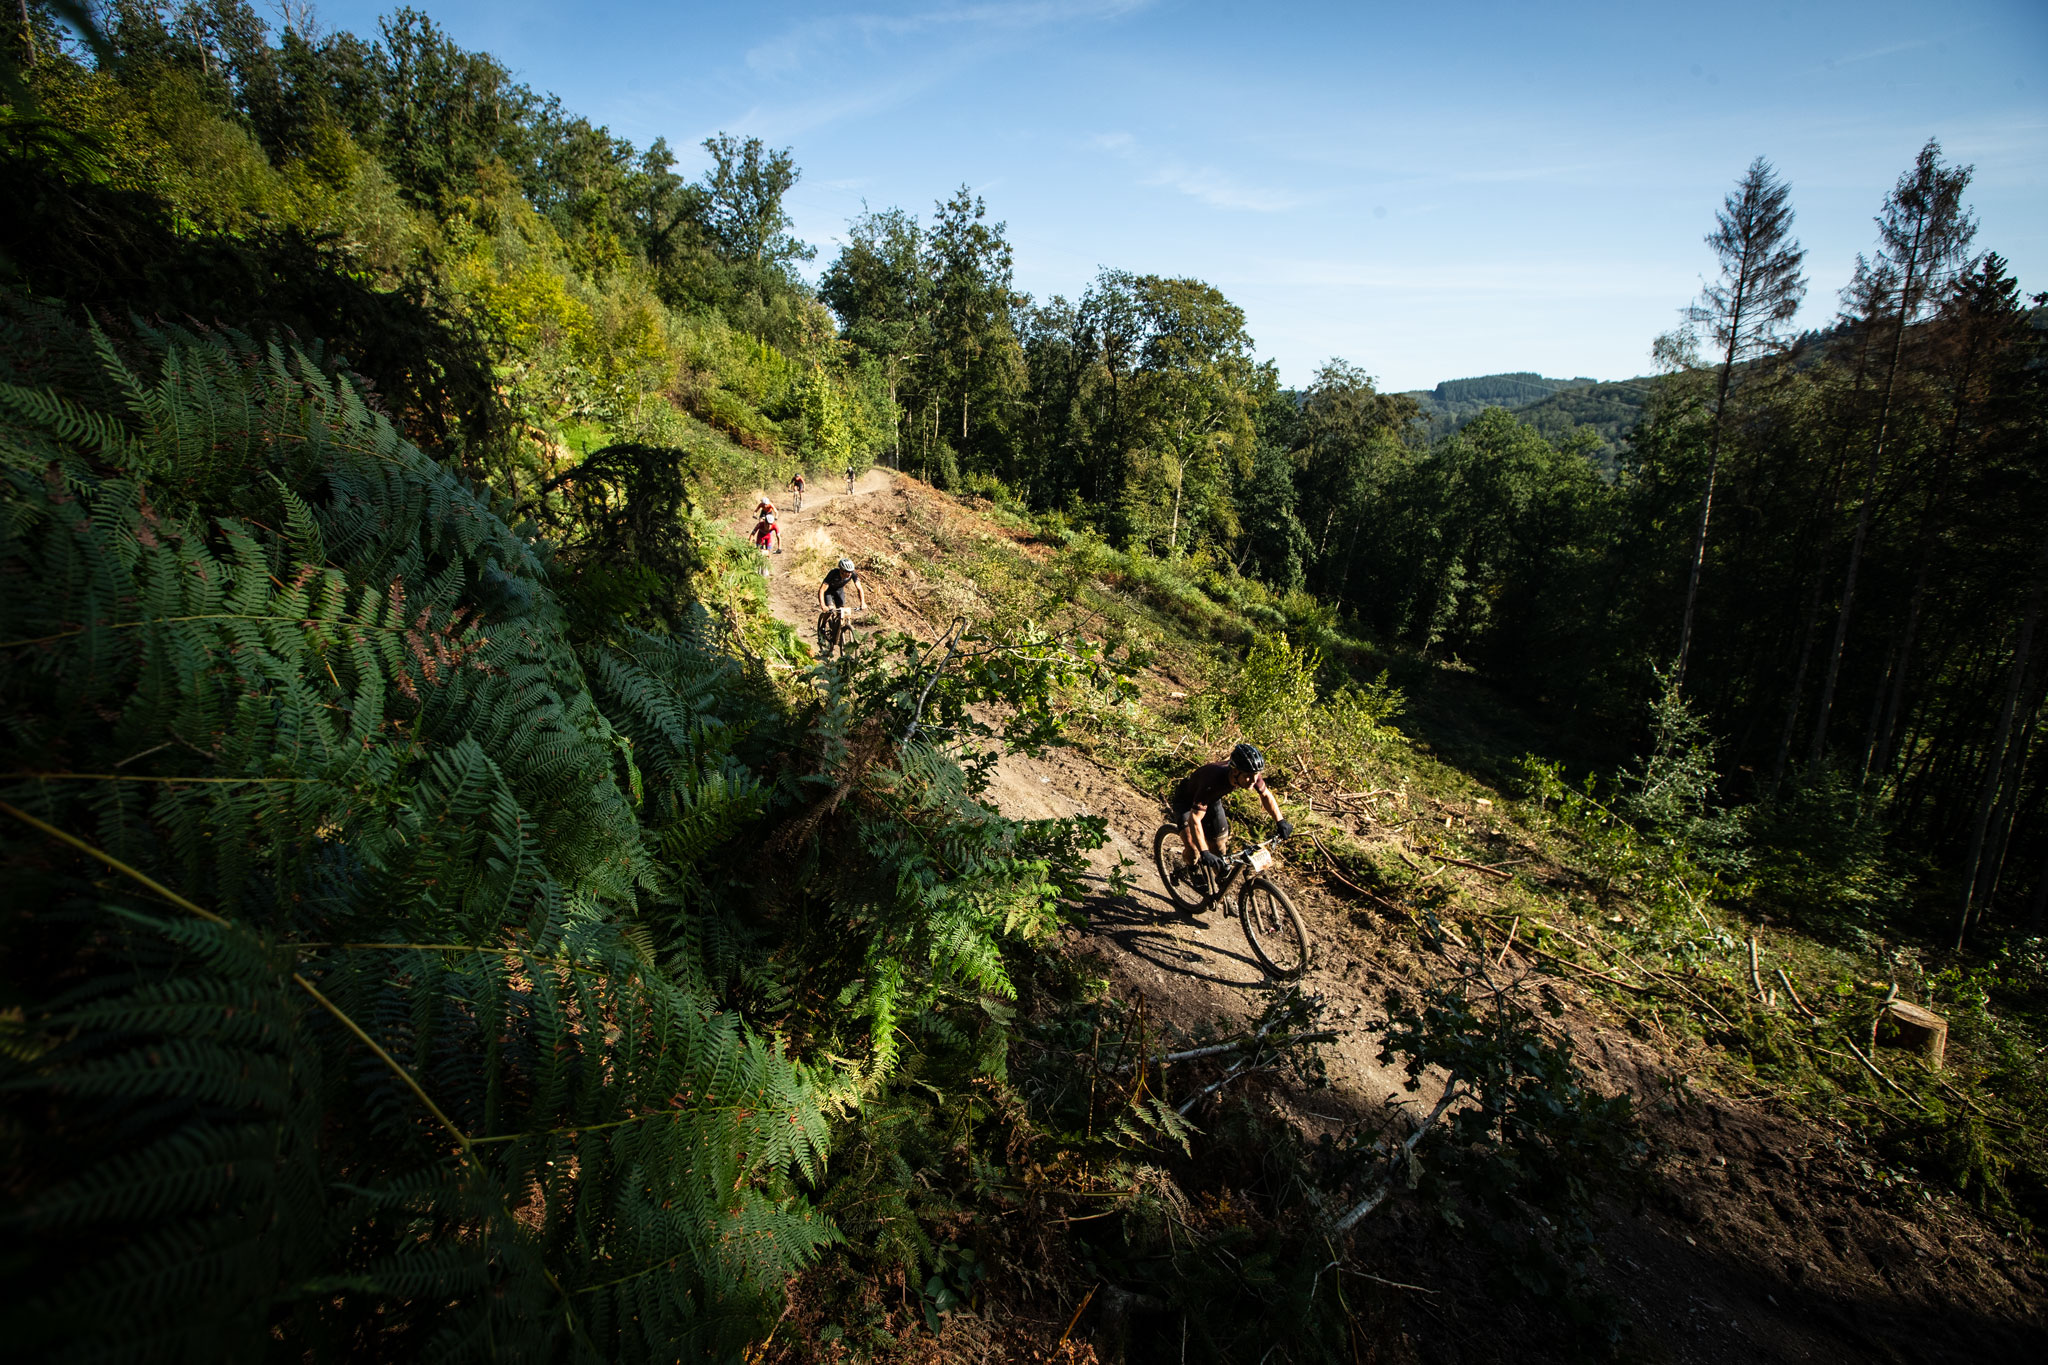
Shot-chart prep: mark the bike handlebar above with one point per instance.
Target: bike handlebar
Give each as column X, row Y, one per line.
column 1244, row 855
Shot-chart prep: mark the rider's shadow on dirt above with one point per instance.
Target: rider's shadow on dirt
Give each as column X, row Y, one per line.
column 1145, row 924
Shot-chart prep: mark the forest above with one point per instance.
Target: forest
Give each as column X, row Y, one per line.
column 451, row 916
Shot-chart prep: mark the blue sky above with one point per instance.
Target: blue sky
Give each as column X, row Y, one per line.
column 1426, row 191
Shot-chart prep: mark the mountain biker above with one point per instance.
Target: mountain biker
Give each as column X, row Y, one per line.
column 849, row 478
column 1198, row 805
column 765, row 530
column 832, row 592
column 765, row 508
column 796, row 483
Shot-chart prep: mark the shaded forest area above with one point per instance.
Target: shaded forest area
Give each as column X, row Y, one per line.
column 395, row 739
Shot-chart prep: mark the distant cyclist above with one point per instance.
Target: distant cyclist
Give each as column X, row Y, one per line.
column 849, row 478
column 765, row 530
column 1198, row 804
column 796, row 485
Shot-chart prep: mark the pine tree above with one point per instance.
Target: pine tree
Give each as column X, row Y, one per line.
column 1745, row 311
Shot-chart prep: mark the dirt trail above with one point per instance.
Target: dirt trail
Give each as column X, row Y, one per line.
column 1765, row 1237
column 1195, row 973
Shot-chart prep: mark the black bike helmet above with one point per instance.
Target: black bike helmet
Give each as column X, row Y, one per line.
column 1247, row 759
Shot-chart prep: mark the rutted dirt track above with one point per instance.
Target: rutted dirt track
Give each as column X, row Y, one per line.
column 1763, row 1238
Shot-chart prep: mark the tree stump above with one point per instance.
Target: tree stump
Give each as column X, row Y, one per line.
column 1908, row 1026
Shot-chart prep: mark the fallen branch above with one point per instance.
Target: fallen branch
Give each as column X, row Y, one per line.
column 1513, row 929
column 1426, row 873
column 1973, row 1107
column 1598, row 976
column 1476, row 867
column 1391, row 1284
column 1085, row 1300
column 1793, row 992
column 1237, row 1069
column 1670, row 977
column 1218, row 1049
column 1316, row 839
column 1402, row 1155
column 1887, row 1081
column 1755, row 979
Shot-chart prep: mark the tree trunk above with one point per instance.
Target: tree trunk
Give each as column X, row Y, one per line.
column 1994, row 758
column 1798, row 688
column 1173, row 535
column 1879, row 757
column 1872, row 471
column 2007, row 815
column 1699, row 543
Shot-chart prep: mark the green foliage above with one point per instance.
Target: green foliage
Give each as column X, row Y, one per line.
column 1526, row 1149
column 1821, row 857
column 1669, row 795
column 280, row 660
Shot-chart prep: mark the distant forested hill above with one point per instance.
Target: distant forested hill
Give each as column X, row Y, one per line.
column 1460, row 400
column 1611, row 410
column 1554, row 407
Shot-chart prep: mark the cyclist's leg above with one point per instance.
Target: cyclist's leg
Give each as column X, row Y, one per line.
column 833, row 621
column 1216, row 828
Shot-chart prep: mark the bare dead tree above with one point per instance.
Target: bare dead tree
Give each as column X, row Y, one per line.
column 1924, row 234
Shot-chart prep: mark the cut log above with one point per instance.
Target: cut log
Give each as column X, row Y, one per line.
column 1908, row 1026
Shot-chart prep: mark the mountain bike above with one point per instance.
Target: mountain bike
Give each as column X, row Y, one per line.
column 1271, row 923
column 835, row 630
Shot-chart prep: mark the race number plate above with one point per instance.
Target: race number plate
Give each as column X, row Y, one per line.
column 1261, row 860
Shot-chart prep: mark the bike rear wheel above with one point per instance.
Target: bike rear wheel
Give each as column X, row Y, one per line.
column 1273, row 927
column 1189, row 888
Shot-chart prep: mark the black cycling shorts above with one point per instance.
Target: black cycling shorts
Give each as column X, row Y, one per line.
column 835, row 597
column 1215, row 824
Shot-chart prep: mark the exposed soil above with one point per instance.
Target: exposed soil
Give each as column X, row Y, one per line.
column 1762, row 1237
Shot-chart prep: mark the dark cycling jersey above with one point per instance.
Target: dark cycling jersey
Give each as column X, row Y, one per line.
column 836, row 584
column 1208, row 785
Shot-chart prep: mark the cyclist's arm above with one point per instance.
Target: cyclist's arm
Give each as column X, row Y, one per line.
column 1192, row 823
column 1272, row 805
column 862, row 589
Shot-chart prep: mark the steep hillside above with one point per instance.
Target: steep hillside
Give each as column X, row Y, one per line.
column 1761, row 1225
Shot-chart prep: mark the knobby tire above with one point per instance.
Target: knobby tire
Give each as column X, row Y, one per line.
column 1187, row 897
column 1273, row 928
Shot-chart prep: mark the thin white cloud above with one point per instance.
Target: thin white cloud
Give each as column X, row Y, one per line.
column 1218, row 190
column 1871, row 55
column 1204, row 183
column 795, row 47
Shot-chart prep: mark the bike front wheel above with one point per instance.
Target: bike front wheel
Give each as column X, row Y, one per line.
column 1273, row 927
column 1189, row 888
